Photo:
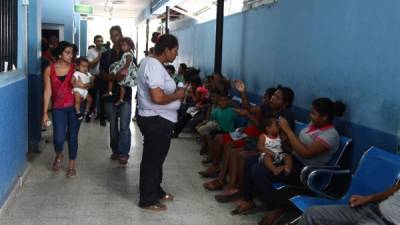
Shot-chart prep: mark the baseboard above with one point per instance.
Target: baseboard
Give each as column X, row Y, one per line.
column 17, row 186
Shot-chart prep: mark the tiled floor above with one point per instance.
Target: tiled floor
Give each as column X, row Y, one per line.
column 106, row 194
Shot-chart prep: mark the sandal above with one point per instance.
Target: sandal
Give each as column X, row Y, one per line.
column 243, row 210
column 271, row 217
column 57, row 164
column 71, row 173
column 158, row 207
column 213, row 185
column 209, row 172
column 227, row 196
column 167, row 197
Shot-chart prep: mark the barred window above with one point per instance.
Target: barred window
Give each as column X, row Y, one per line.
column 8, row 34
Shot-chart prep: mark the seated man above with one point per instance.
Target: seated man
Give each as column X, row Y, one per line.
column 381, row 208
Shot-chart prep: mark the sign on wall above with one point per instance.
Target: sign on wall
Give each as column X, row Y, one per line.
column 83, row 9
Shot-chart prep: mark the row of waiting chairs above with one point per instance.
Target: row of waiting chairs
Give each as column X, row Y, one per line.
column 377, row 171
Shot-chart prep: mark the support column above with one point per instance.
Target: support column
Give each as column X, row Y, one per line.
column 167, row 20
column 219, row 36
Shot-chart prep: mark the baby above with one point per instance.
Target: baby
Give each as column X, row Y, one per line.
column 85, row 77
column 270, row 146
column 126, row 67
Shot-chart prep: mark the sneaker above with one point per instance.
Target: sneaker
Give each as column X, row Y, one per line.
column 123, row 160
column 79, row 116
column 71, row 173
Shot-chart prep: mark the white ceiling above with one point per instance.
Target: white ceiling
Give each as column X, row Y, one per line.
column 117, row 8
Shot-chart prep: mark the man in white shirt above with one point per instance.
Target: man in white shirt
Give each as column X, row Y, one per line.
column 381, row 209
column 94, row 56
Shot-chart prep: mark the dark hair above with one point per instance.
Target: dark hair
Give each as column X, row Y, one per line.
column 116, row 28
column 326, row 107
column 155, row 37
column 270, row 91
column 61, row 47
column 287, row 94
column 196, row 80
column 107, row 45
column 81, row 59
column 97, row 37
column 129, row 41
column 183, row 66
column 266, row 122
column 91, row 46
column 190, row 73
column 170, row 68
column 165, row 41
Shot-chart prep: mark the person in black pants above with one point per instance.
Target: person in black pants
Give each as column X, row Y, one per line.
column 158, row 102
column 94, row 56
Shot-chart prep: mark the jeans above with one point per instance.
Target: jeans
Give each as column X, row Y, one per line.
column 120, row 134
column 66, row 126
column 157, row 133
column 257, row 177
column 341, row 215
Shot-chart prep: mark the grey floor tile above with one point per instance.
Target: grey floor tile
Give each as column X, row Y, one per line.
column 103, row 193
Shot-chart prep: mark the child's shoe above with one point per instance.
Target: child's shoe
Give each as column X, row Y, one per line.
column 79, row 116
column 87, row 116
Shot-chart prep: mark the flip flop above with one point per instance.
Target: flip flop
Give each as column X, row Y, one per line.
column 239, row 211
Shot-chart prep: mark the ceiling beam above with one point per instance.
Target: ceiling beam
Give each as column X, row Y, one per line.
column 185, row 13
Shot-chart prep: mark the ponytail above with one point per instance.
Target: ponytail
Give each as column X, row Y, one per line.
column 326, row 107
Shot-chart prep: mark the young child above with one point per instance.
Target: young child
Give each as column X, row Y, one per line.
column 125, row 67
column 85, row 77
column 270, row 146
column 222, row 120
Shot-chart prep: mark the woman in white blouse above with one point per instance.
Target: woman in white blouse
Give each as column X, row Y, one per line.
column 158, row 102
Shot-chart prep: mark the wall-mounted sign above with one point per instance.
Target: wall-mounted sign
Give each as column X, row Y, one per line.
column 83, row 9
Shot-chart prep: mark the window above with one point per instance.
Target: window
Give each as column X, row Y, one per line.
column 8, row 34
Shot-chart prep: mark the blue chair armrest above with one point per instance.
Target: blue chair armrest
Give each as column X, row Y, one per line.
column 318, row 172
column 305, row 172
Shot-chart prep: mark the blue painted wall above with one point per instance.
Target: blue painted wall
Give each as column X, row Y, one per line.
column 13, row 110
column 60, row 12
column 13, row 133
column 344, row 49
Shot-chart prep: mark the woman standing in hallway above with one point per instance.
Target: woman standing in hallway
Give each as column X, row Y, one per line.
column 58, row 84
column 158, row 102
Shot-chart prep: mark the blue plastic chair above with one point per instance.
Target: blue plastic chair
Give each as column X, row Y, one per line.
column 384, row 164
column 321, row 182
